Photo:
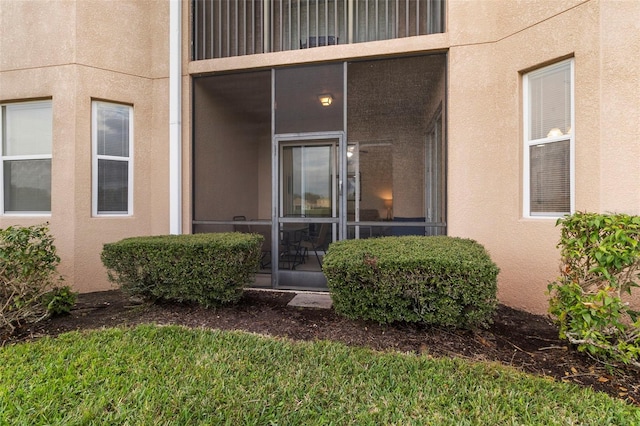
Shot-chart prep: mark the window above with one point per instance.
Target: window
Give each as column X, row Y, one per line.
column 549, row 141
column 112, row 163
column 27, row 133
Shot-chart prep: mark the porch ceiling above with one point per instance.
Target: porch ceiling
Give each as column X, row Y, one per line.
column 246, row 93
column 376, row 87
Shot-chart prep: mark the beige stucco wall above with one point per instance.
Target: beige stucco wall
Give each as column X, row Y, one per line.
column 619, row 132
column 485, row 131
column 73, row 52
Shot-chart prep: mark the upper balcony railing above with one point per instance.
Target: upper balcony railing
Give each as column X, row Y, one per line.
column 224, row 28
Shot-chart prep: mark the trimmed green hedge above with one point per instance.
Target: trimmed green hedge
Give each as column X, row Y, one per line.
column 209, row 269
column 432, row 280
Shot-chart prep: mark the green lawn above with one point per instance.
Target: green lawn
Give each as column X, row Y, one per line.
column 152, row 375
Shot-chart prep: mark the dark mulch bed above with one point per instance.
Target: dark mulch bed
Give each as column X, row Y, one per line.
column 522, row 340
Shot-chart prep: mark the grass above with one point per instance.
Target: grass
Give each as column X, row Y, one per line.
column 151, row 375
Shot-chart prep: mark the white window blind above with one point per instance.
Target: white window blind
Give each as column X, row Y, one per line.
column 550, row 101
column 549, row 176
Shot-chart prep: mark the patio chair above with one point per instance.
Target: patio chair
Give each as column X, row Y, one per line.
column 292, row 252
column 241, row 228
column 319, row 242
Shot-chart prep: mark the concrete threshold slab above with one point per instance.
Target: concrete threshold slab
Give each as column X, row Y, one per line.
column 311, row 300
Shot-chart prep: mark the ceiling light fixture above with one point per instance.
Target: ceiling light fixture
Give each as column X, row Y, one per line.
column 325, row 99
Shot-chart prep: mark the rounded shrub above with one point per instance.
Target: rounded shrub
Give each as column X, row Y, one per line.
column 433, row 280
column 210, row 269
column 28, row 275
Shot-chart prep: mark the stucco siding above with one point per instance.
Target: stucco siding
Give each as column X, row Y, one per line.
column 73, row 52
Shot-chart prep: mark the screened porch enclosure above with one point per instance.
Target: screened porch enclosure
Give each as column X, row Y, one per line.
column 305, row 172
column 224, row 28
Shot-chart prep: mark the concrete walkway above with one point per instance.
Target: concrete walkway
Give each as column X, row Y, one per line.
column 311, row 300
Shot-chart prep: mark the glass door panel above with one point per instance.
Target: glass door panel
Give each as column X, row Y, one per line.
column 307, row 180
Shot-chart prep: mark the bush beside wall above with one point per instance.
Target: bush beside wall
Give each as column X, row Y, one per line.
column 29, row 278
column 432, row 280
column 210, row 269
column 590, row 299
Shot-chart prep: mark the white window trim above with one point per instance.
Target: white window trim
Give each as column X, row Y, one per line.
column 96, row 157
column 528, row 143
column 4, row 158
